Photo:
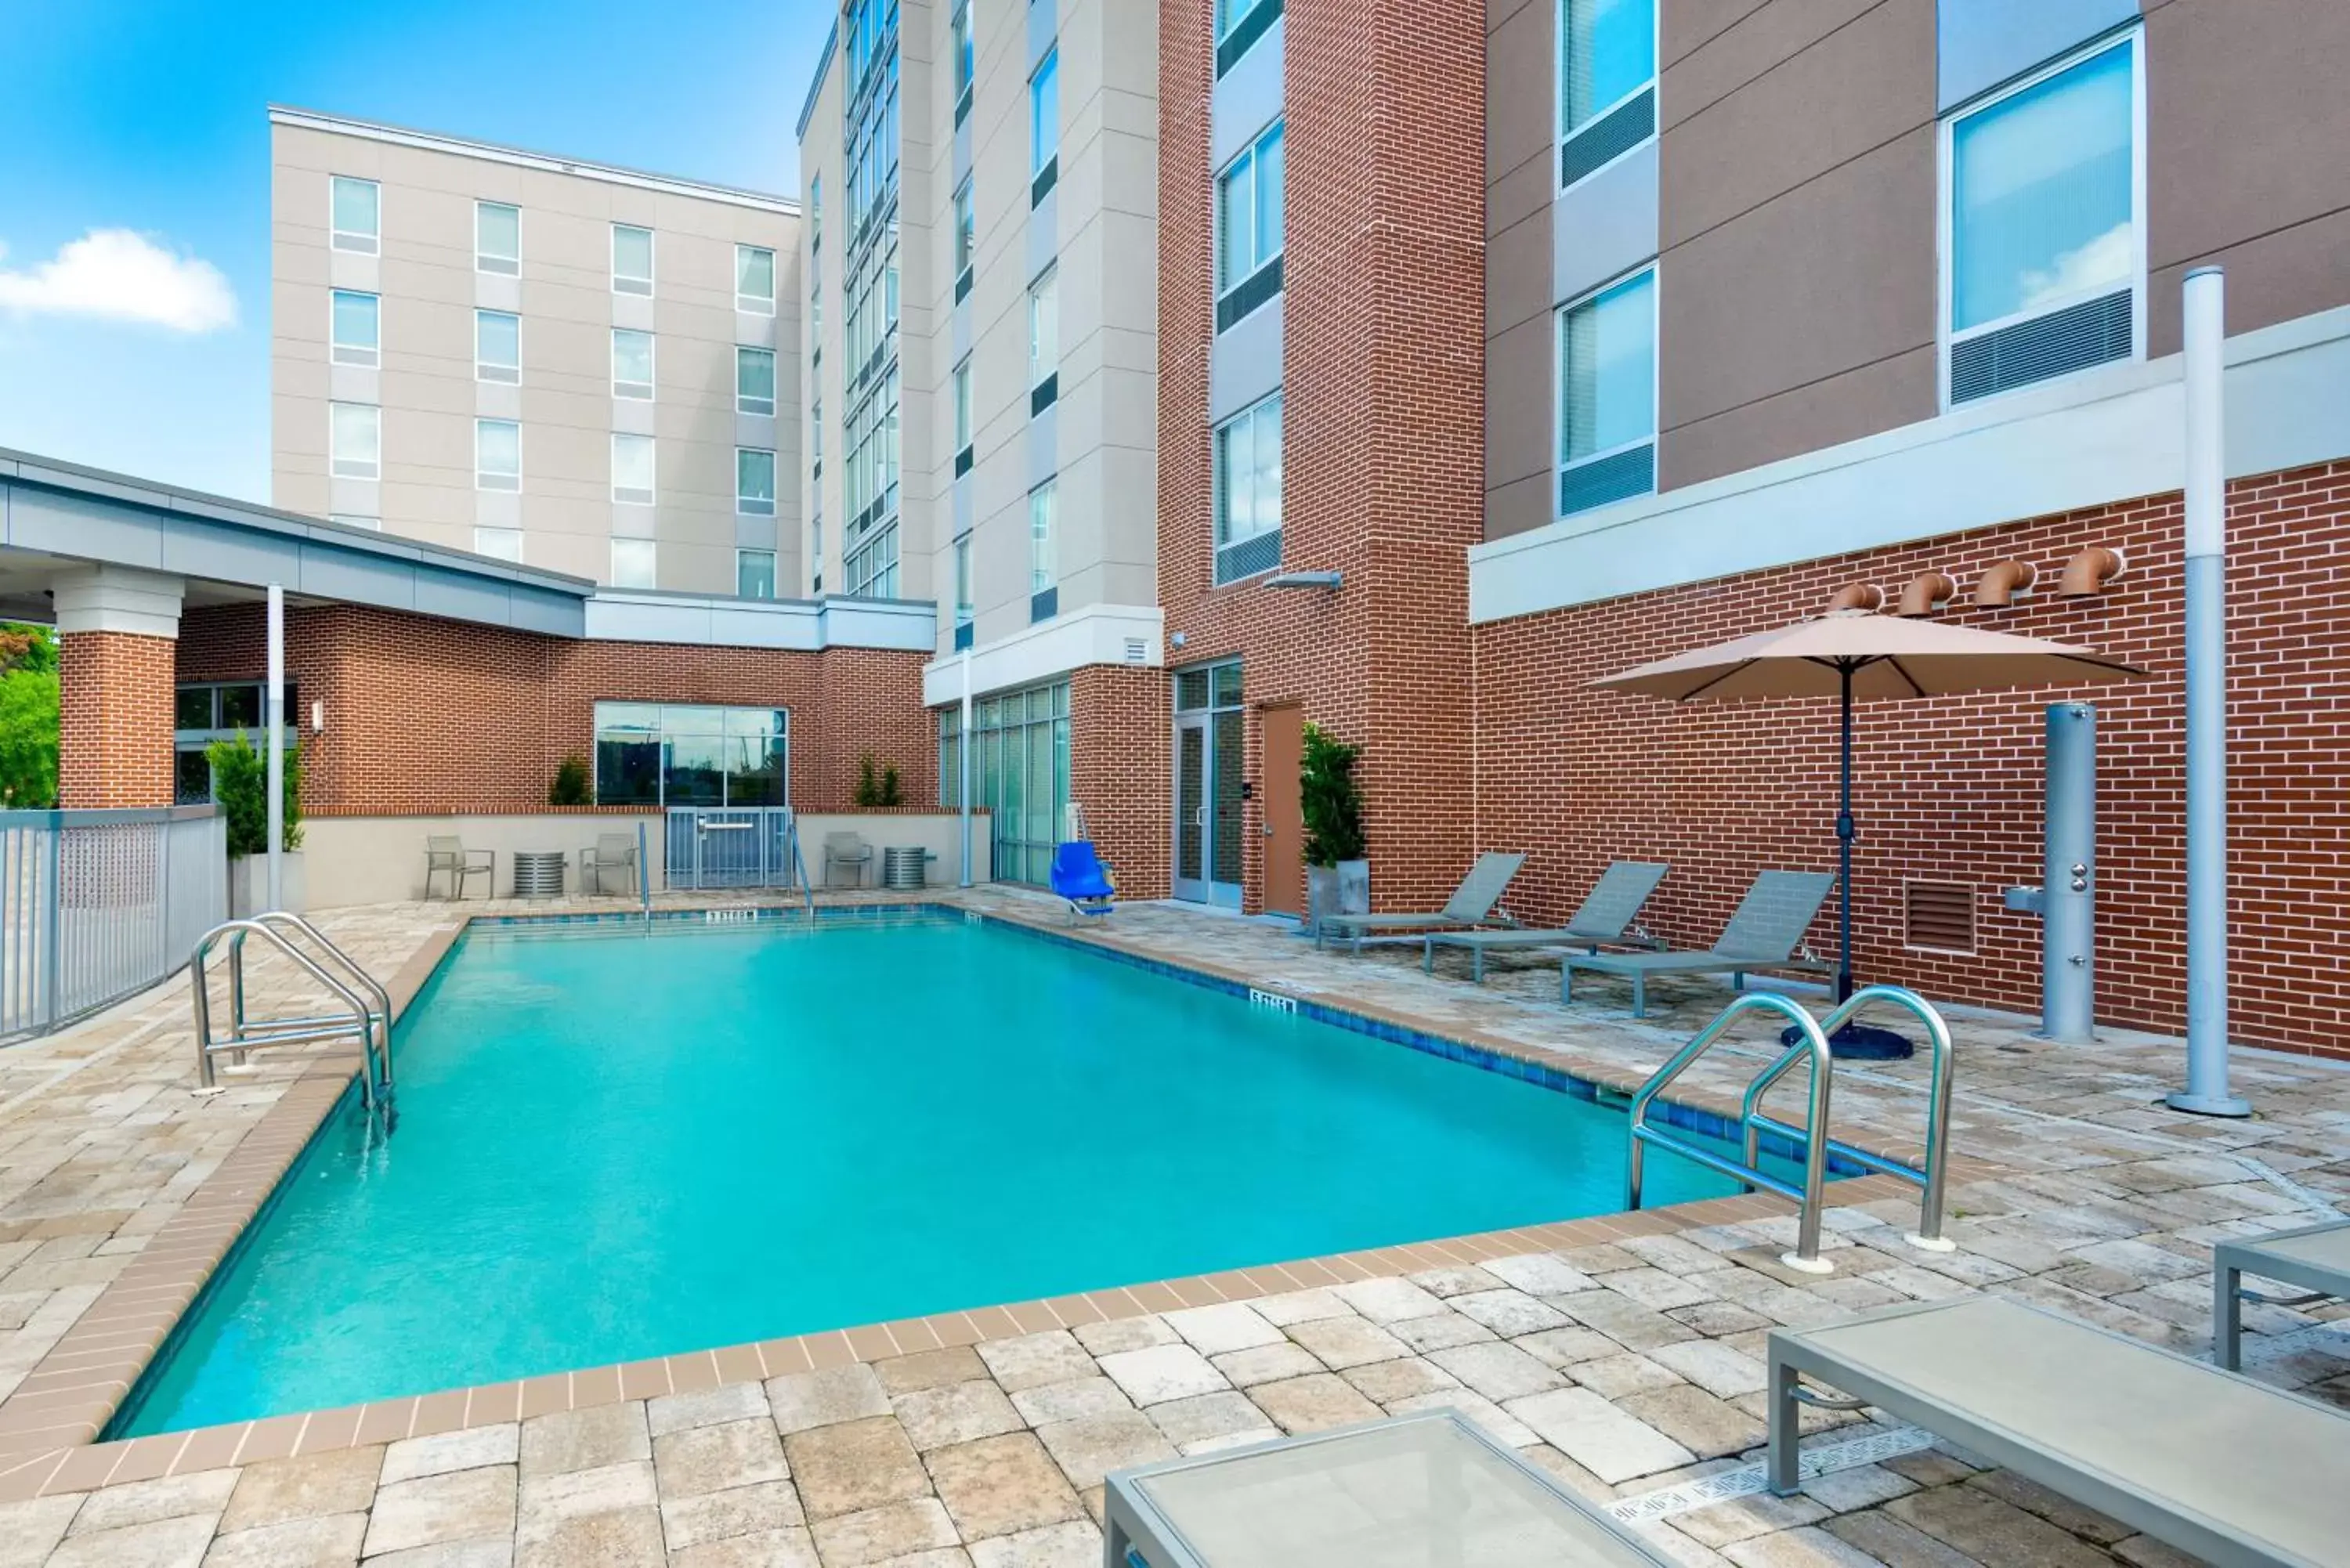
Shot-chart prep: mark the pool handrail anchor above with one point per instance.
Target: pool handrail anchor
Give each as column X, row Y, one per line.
column 370, row 1026
column 1814, row 1046
column 1928, row 1175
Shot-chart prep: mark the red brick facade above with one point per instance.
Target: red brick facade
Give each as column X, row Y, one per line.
column 1120, row 725
column 114, row 720
column 425, row 715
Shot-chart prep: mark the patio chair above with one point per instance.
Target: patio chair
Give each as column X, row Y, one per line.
column 2222, row 1468
column 1079, row 876
column 847, row 849
column 447, row 854
column 1471, row 904
column 2314, row 1257
column 1764, row 934
column 1615, row 900
column 611, row 852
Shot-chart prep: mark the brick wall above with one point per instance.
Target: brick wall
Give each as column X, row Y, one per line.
column 1951, row 788
column 114, row 720
column 1383, row 407
column 427, row 716
column 1119, row 770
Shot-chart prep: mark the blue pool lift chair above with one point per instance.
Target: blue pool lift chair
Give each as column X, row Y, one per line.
column 1079, row 876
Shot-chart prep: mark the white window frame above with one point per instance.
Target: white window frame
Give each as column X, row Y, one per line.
column 630, row 494
column 354, row 468
column 755, row 505
column 744, row 403
column 742, row 553
column 752, row 304
column 483, row 369
column 959, row 404
column 2132, row 38
column 1220, row 498
column 365, row 357
column 483, row 478
column 1039, row 155
column 640, row 286
column 1044, row 565
column 961, row 583
column 1558, row 464
column 653, row 368
column 1278, row 125
column 965, row 212
column 497, row 266
column 1559, row 131
column 352, row 240
column 493, row 542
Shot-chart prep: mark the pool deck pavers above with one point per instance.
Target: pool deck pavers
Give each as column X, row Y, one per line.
column 1622, row 1355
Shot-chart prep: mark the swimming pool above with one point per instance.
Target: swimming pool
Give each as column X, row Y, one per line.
column 618, row 1142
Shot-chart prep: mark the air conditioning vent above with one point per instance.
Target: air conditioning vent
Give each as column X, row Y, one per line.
column 1606, row 139
column 2094, row 332
column 1247, row 558
column 1138, row 651
column 1611, row 478
column 1940, row 916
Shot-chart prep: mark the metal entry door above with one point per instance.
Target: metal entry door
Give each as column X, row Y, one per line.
column 1207, row 808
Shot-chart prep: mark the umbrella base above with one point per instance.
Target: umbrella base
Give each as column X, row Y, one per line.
column 1860, row 1043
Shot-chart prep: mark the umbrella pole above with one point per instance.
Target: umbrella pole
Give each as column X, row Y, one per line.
column 1843, row 853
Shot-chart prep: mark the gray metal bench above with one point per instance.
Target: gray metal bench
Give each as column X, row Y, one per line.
column 2227, row 1469
column 1425, row 1489
column 2316, row 1257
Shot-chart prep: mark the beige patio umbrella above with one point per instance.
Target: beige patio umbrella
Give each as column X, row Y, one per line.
column 1853, row 654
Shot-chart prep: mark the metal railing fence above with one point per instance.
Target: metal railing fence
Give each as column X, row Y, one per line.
column 733, row 846
column 94, row 905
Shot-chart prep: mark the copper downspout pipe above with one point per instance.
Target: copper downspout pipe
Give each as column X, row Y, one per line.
column 1998, row 585
column 1927, row 592
column 2086, row 574
column 1857, row 597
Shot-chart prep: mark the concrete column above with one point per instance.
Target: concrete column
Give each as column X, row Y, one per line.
column 117, row 655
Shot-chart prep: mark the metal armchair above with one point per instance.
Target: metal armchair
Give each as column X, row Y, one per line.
column 447, row 855
column 847, row 849
column 612, row 852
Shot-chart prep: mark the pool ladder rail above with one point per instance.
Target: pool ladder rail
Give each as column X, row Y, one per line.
column 364, row 1018
column 1811, row 1048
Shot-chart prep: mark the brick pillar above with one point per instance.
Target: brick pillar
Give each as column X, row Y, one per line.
column 117, row 656
column 1119, row 770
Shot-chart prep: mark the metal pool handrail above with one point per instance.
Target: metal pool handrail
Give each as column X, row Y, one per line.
column 361, row 1022
column 1814, row 1043
column 1931, row 1175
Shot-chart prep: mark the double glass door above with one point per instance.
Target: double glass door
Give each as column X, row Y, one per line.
column 1209, row 741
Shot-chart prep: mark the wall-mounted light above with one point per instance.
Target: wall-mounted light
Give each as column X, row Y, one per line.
column 317, row 718
column 2086, row 574
column 1303, row 580
column 2003, row 582
column 1863, row 597
column 1175, row 640
column 1927, row 592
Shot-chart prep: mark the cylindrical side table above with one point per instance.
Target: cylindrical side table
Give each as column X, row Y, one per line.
column 539, row 873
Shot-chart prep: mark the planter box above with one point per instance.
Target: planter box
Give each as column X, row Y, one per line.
column 1341, row 889
column 248, row 884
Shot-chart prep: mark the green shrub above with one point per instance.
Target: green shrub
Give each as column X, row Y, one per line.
column 891, row 794
column 570, row 786
column 241, row 788
column 1331, row 801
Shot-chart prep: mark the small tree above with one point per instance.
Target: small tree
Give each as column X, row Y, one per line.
column 570, row 786
column 867, row 791
column 890, row 794
column 241, row 787
column 1332, row 802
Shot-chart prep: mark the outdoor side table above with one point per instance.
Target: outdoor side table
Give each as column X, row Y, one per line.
column 539, row 873
column 1425, row 1491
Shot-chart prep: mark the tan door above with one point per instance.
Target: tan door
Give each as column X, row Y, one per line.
column 1283, row 731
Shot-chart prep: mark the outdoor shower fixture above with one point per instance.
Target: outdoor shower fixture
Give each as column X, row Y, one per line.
column 2002, row 582
column 1857, row 597
column 1926, row 593
column 2086, row 574
column 2066, row 899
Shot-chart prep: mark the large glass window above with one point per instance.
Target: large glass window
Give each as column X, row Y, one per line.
column 632, row 259
column 961, row 391
column 668, row 754
column 1606, row 82
column 355, row 440
column 497, row 347
column 754, row 380
column 755, row 279
column 497, row 238
column 1248, row 491
column 960, row 27
column 1043, row 553
column 1044, row 117
column 1249, row 201
column 356, row 336
column 632, row 363
column 2045, row 250
column 754, row 482
column 632, row 469
column 963, row 579
column 1019, row 774
column 1608, row 394
column 208, row 712
column 1044, row 335
column 635, row 564
column 355, row 214
column 754, row 574
column 497, row 454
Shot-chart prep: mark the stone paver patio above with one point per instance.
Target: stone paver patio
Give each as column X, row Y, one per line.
column 1625, row 1366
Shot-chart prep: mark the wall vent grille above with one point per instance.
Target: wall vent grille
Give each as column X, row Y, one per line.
column 1940, row 916
column 2094, row 332
column 1606, row 139
column 1617, row 475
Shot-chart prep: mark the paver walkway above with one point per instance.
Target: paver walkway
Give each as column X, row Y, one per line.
column 1627, row 1368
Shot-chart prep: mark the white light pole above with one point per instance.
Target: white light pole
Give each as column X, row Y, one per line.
column 963, row 767
column 275, row 712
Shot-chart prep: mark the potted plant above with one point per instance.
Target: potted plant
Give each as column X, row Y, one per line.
column 241, row 789
column 1337, row 877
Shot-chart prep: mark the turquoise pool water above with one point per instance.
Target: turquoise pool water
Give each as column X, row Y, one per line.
column 615, row 1145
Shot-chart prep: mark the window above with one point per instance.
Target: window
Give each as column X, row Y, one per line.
column 869, row 569
column 816, row 213
column 355, row 440
column 960, row 27
column 632, row 363
column 497, row 454
column 754, row 482
column 1044, row 563
column 355, row 216
column 1239, row 24
column 1249, row 203
column 203, row 713
column 632, row 260
column 966, row 239
column 1043, row 342
column 632, row 469
column 963, row 579
column 961, row 383
column 497, row 238
column 498, row 544
column 1606, row 83
column 754, row 381
column 1608, row 395
column 666, row 755
column 755, row 279
column 1248, row 491
column 1019, row 774
column 754, row 574
column 816, row 443
column 1044, row 127
column 2046, row 243
column 354, row 335
column 497, row 347
column 632, row 563
column 816, row 555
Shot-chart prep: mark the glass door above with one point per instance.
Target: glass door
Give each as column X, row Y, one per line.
column 1210, row 737
column 1191, row 807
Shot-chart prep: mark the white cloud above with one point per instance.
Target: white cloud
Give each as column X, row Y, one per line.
column 118, row 275
column 2103, row 262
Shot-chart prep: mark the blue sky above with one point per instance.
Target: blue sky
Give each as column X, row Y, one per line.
column 150, row 117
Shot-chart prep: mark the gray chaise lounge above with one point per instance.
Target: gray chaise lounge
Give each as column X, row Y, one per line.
column 1472, row 904
column 2210, row 1462
column 2316, row 1257
column 1764, row 934
column 1615, row 900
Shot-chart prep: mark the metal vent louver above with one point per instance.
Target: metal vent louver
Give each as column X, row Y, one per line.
column 1611, row 478
column 2094, row 332
column 1247, row 558
column 1608, row 138
column 1939, row 915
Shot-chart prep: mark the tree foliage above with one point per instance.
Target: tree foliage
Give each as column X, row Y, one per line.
column 28, row 717
column 1332, row 801
column 241, row 787
column 570, row 786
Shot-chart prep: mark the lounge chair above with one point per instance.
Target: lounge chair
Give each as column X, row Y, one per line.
column 1616, row 899
column 446, row 855
column 1764, row 934
column 847, row 849
column 2221, row 1467
column 1471, row 904
column 1079, row 876
column 2316, row 1257
column 611, row 852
